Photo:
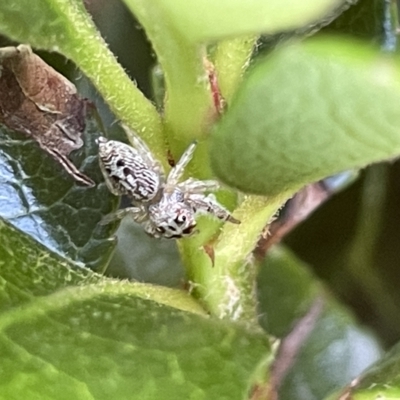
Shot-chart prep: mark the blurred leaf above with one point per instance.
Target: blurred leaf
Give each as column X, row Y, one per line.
column 335, row 353
column 136, row 249
column 211, row 20
column 381, row 381
column 283, row 281
column 39, row 198
column 323, row 348
column 306, row 112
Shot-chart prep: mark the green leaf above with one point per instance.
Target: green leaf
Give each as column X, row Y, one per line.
column 211, row 20
column 306, row 112
column 40, row 199
column 103, row 342
column 105, row 339
column 286, row 291
column 88, row 341
column 29, row 271
column 333, row 352
column 64, row 26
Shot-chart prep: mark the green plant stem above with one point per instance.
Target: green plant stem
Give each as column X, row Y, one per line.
column 361, row 265
column 188, row 104
column 227, row 286
column 117, row 89
column 226, row 283
column 231, row 60
column 124, row 98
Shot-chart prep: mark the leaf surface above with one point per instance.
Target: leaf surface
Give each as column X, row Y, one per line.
column 306, row 112
column 39, row 198
column 66, row 332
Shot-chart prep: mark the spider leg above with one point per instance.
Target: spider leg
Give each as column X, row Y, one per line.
column 143, row 150
column 150, row 229
column 195, row 186
column 177, row 172
column 209, row 205
column 137, row 213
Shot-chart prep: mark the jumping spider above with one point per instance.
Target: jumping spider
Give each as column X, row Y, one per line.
column 165, row 207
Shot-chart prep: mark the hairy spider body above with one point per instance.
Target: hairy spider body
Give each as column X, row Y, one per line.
column 164, row 207
column 130, row 171
column 172, row 217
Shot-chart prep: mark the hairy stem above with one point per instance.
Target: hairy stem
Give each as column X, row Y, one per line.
column 231, row 61
column 222, row 272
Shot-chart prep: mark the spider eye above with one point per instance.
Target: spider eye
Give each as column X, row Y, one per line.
column 188, row 230
column 179, row 219
column 120, row 163
column 127, row 171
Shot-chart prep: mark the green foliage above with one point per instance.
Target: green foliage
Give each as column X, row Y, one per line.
column 306, row 111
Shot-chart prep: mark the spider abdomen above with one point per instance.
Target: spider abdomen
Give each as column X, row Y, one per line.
column 128, row 173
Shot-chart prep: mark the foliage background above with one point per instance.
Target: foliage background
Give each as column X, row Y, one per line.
column 350, row 242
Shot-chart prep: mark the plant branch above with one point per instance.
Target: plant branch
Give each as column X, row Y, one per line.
column 223, row 272
column 231, row 60
column 188, row 105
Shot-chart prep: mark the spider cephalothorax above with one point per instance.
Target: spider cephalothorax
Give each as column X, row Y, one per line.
column 171, row 217
column 164, row 207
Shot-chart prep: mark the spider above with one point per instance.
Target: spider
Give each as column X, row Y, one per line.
column 164, row 206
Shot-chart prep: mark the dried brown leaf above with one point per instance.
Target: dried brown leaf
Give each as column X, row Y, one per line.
column 43, row 104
